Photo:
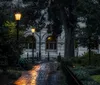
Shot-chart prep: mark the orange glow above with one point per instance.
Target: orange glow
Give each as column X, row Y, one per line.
column 29, row 78
column 18, row 16
column 49, row 38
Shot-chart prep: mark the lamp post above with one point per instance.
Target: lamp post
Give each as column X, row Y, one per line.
column 39, row 51
column 17, row 18
column 33, row 31
column 40, row 46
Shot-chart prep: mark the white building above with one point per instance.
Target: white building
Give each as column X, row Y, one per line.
column 49, row 44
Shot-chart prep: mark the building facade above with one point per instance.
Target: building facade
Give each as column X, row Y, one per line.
column 45, row 44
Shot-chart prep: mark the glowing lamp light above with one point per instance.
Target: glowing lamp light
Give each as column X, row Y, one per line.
column 18, row 16
column 49, row 38
column 33, row 30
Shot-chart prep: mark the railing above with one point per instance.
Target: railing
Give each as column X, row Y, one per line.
column 70, row 77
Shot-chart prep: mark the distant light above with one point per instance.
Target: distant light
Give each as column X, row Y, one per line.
column 18, row 16
column 33, row 30
column 49, row 38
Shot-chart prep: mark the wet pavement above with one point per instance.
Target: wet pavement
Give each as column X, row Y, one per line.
column 42, row 74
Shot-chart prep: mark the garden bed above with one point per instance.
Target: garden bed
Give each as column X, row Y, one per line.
column 84, row 75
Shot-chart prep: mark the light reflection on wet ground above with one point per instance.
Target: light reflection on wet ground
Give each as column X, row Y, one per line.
column 29, row 78
column 43, row 74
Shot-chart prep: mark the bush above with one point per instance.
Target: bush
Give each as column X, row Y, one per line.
column 66, row 62
column 14, row 74
column 90, row 83
column 25, row 63
column 84, row 76
column 96, row 78
column 95, row 71
column 81, row 73
column 84, row 60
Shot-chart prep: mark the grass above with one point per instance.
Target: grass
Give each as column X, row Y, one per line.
column 96, row 78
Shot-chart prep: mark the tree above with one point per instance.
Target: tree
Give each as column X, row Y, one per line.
column 8, row 43
column 61, row 11
column 68, row 20
column 88, row 13
column 8, row 36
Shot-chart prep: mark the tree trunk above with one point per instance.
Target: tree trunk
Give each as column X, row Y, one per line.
column 70, row 42
column 72, row 54
column 65, row 29
column 69, row 36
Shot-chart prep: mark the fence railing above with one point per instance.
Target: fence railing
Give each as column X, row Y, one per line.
column 70, row 77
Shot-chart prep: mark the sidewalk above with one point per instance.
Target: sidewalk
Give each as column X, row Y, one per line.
column 43, row 74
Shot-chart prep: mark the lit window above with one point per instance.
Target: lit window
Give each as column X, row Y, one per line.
column 51, row 43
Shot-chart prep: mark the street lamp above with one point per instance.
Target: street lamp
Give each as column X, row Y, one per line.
column 39, row 35
column 40, row 45
column 33, row 31
column 17, row 18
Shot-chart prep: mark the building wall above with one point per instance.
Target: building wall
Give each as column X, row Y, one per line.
column 52, row 53
column 44, row 51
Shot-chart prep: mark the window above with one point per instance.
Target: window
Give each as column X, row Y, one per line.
column 30, row 41
column 51, row 43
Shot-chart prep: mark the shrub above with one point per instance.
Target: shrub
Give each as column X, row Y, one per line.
column 95, row 71
column 84, row 60
column 25, row 63
column 14, row 74
column 96, row 78
column 90, row 83
column 81, row 74
column 90, row 67
column 67, row 62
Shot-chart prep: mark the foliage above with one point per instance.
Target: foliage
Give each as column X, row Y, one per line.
column 84, row 76
column 11, row 27
column 81, row 74
column 67, row 62
column 96, row 78
column 94, row 71
column 25, row 63
column 4, row 13
column 88, row 12
column 84, row 59
column 47, row 14
column 90, row 83
column 8, row 43
column 14, row 74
